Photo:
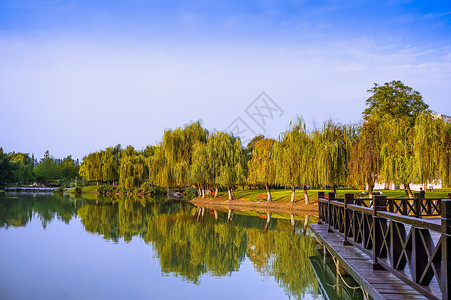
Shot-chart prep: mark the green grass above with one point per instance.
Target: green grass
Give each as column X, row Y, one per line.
column 283, row 195
column 86, row 189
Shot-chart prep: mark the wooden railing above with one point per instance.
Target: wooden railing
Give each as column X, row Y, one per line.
column 410, row 238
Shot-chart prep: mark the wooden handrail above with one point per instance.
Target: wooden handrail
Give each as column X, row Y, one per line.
column 381, row 232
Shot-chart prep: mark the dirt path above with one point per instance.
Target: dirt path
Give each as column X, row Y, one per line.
column 223, row 202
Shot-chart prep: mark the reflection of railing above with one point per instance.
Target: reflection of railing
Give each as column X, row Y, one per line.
column 400, row 235
column 334, row 281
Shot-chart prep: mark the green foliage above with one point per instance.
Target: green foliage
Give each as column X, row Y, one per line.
column 6, row 172
column 396, row 100
column 262, row 166
column 22, row 166
column 170, row 165
column 60, row 190
column 132, row 168
column 190, row 193
column 250, row 146
column 149, row 189
column 50, row 169
column 365, row 160
column 106, row 189
column 332, row 146
column 78, row 190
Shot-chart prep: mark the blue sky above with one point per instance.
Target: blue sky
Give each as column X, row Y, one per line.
column 79, row 76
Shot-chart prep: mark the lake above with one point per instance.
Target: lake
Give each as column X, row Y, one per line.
column 59, row 247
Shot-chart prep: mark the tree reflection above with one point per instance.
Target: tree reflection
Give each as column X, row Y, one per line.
column 186, row 245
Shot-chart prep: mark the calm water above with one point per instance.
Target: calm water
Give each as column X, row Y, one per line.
column 57, row 247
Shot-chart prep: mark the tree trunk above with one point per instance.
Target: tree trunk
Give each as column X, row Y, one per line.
column 306, row 222
column 268, row 219
column 198, row 213
column 229, row 216
column 203, row 193
column 229, row 190
column 293, row 192
column 216, row 191
column 97, row 183
column 333, row 188
column 370, row 190
column 216, row 216
column 306, row 195
column 268, row 192
column 409, row 191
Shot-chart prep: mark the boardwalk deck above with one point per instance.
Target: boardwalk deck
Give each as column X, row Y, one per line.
column 379, row 284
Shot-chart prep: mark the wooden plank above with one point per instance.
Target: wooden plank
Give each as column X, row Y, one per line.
column 379, row 284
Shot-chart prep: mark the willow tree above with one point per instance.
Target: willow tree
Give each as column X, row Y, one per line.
column 397, row 154
column 173, row 156
column 261, row 166
column 365, row 161
column 432, row 149
column 199, row 172
column 332, row 147
column 291, row 157
column 91, row 167
column 132, row 168
column 110, row 165
column 227, row 161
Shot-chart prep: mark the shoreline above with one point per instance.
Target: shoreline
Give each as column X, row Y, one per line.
column 224, row 202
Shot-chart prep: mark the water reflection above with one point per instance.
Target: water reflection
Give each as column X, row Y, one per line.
column 188, row 241
column 334, row 281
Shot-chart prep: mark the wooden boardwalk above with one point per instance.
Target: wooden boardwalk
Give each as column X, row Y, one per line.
column 380, row 284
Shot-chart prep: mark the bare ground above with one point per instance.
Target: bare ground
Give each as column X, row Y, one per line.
column 245, row 204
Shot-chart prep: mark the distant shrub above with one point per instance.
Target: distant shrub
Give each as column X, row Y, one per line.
column 59, row 190
column 150, row 189
column 78, row 190
column 106, row 189
column 190, row 193
column 444, row 190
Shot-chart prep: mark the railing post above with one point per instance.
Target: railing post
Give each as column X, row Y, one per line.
column 331, row 196
column 391, row 205
column 321, row 207
column 446, row 244
column 349, row 199
column 379, row 204
column 416, row 205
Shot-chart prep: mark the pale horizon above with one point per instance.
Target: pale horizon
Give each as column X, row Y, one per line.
column 79, row 77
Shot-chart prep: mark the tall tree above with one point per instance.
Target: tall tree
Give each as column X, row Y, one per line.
column 132, row 168
column 91, row 167
column 395, row 99
column 432, row 149
column 333, row 145
column 173, row 157
column 200, row 171
column 261, row 166
column 6, row 173
column 292, row 159
column 47, row 169
column 365, row 160
column 110, row 165
column 22, row 166
column 397, row 152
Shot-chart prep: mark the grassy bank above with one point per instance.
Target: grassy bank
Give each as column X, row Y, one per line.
column 283, row 195
column 91, row 189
